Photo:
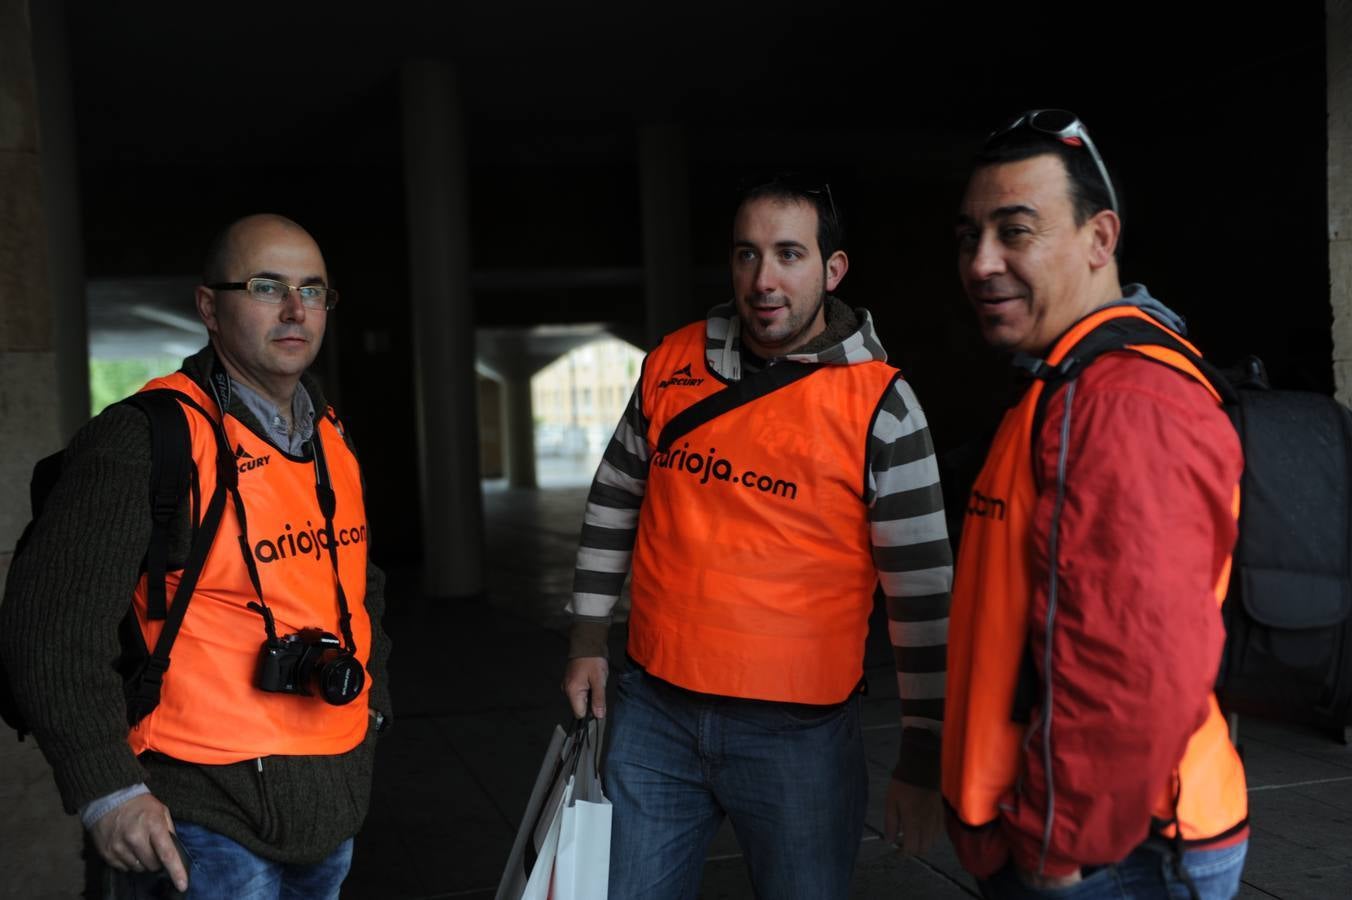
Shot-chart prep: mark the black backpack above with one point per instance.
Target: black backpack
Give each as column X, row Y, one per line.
column 171, row 473
column 1288, row 650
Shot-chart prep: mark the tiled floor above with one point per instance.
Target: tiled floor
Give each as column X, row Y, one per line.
column 477, row 692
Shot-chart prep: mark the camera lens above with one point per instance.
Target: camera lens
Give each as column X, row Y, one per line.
column 341, row 679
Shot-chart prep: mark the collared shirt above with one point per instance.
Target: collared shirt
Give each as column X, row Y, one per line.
column 289, row 437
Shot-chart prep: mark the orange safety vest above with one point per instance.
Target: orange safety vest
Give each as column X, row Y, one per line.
column 988, row 631
column 210, row 710
column 753, row 568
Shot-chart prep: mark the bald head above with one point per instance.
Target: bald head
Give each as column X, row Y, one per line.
column 234, row 243
column 265, row 342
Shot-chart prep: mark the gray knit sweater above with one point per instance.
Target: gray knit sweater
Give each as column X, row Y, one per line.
column 63, row 600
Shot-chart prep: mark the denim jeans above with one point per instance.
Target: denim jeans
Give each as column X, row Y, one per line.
column 223, row 870
column 1147, row 873
column 791, row 779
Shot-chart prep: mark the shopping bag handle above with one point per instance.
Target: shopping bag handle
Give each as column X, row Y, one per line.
column 580, row 725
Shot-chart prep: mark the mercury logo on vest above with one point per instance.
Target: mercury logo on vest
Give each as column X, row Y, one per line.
column 247, row 461
column 681, row 377
column 986, row 507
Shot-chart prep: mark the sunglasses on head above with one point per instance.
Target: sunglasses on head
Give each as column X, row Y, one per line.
column 1067, row 128
column 817, row 190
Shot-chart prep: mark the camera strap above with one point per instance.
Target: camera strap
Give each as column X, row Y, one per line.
column 220, row 388
column 328, row 504
column 230, row 476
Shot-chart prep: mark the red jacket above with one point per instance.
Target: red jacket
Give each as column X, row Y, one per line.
column 1148, row 516
column 1144, row 537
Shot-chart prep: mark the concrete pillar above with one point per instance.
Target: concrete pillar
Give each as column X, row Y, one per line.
column 1338, row 34
column 443, row 331
column 492, row 430
column 29, row 419
column 38, row 844
column 61, row 205
column 520, row 419
column 665, row 200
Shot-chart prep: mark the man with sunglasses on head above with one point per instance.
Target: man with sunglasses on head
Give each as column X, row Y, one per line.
column 251, row 773
column 1084, row 753
column 770, row 470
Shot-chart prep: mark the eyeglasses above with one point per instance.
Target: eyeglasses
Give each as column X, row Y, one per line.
column 1067, row 128
column 270, row 290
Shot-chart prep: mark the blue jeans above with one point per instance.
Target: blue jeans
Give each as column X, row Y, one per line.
column 223, row 870
column 790, row 777
column 1147, row 873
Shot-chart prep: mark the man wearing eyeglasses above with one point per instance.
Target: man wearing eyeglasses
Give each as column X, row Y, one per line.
column 770, row 470
column 250, row 775
column 1084, row 752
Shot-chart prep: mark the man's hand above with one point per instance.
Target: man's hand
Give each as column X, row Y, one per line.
column 917, row 812
column 138, row 837
column 585, row 676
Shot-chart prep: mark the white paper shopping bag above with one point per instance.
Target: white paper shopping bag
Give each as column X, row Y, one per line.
column 582, row 863
column 562, row 848
column 541, row 882
column 541, row 816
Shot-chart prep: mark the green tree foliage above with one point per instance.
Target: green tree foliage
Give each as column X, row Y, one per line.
column 112, row 379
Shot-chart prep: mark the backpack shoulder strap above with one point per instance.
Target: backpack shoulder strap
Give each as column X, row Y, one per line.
column 143, row 688
column 1111, row 336
column 738, row 393
column 170, row 469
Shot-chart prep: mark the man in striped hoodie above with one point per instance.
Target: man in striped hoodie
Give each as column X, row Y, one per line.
column 770, row 470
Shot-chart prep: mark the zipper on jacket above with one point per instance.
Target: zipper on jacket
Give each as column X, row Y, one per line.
column 1053, row 541
column 264, row 807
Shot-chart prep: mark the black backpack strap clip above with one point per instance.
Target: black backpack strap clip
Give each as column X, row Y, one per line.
column 1031, row 366
column 154, row 670
column 142, row 693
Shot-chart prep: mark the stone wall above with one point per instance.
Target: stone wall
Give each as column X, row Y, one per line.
column 39, row 845
column 1339, row 37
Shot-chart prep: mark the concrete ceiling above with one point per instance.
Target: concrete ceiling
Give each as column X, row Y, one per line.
column 185, row 111
column 276, row 82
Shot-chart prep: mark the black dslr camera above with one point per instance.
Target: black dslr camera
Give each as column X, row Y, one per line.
column 310, row 658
